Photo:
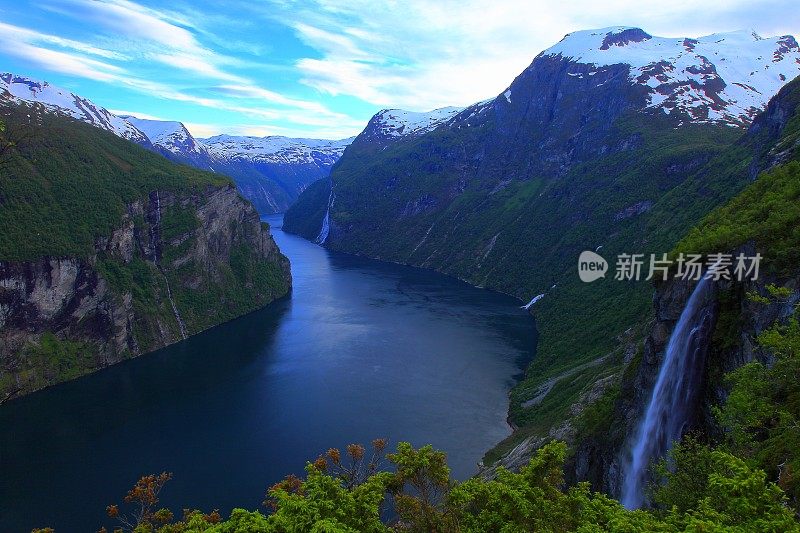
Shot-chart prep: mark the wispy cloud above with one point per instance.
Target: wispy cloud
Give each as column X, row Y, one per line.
column 420, row 55
column 322, row 67
column 169, row 38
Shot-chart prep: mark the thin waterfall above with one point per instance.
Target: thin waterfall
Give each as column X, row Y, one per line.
column 181, row 325
column 675, row 394
column 155, row 237
column 326, row 222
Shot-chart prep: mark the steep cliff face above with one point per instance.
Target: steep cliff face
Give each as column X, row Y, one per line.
column 100, row 264
column 176, row 265
column 761, row 219
column 601, row 457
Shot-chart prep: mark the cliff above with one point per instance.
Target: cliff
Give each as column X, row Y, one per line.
column 137, row 269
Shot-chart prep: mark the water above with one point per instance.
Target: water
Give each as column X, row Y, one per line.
column 361, row 349
column 675, row 394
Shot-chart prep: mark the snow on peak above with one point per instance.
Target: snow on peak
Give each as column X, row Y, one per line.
column 22, row 89
column 169, row 135
column 400, row 123
column 276, row 149
column 724, row 77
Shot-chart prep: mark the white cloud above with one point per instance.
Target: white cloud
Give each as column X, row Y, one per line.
column 164, row 37
column 420, row 55
column 57, row 61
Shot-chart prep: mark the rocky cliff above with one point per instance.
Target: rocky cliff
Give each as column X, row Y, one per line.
column 169, row 254
column 147, row 284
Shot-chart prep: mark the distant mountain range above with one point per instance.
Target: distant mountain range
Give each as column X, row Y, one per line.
column 270, row 171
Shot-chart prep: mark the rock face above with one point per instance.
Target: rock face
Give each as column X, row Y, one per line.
column 732, row 343
column 143, row 288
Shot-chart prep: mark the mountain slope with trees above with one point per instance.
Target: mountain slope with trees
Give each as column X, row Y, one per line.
column 109, row 251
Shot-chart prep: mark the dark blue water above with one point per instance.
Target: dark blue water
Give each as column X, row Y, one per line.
column 361, row 349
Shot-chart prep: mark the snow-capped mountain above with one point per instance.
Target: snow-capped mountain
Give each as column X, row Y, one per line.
column 589, row 113
column 724, row 77
column 169, row 135
column 269, row 171
column 288, row 165
column 276, row 149
column 393, row 123
column 21, row 89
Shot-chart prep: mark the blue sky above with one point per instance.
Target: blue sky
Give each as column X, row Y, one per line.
column 320, row 68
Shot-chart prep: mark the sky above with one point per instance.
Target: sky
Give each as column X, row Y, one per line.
column 320, row 68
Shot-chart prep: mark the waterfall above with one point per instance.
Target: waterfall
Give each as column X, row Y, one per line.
column 155, row 238
column 155, row 231
column 181, row 325
column 675, row 393
column 326, row 222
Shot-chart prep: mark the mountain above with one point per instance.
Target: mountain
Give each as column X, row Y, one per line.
column 391, row 124
column 21, row 89
column 612, row 140
column 269, row 171
column 272, row 171
column 725, row 77
column 109, row 251
column 172, row 140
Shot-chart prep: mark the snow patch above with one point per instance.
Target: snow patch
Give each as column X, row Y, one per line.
column 55, row 99
column 275, row 149
column 724, row 77
column 399, row 123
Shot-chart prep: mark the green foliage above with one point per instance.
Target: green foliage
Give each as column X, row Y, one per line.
column 767, row 213
column 69, row 183
column 426, row 473
column 711, row 490
column 755, row 297
column 51, row 360
column 597, row 418
column 762, row 413
column 177, row 221
column 683, row 477
column 779, row 293
column 720, row 493
column 245, row 283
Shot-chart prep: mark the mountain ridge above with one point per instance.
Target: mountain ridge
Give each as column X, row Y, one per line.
column 271, row 188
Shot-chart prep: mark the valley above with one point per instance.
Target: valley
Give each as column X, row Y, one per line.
column 224, row 295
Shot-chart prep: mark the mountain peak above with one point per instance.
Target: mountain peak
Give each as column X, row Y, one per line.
column 624, row 36
column 723, row 77
column 17, row 89
column 393, row 123
column 275, row 148
column 167, row 134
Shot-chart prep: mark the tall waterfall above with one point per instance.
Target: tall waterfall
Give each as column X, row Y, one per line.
column 155, row 240
column 675, row 393
column 326, row 222
column 178, row 318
